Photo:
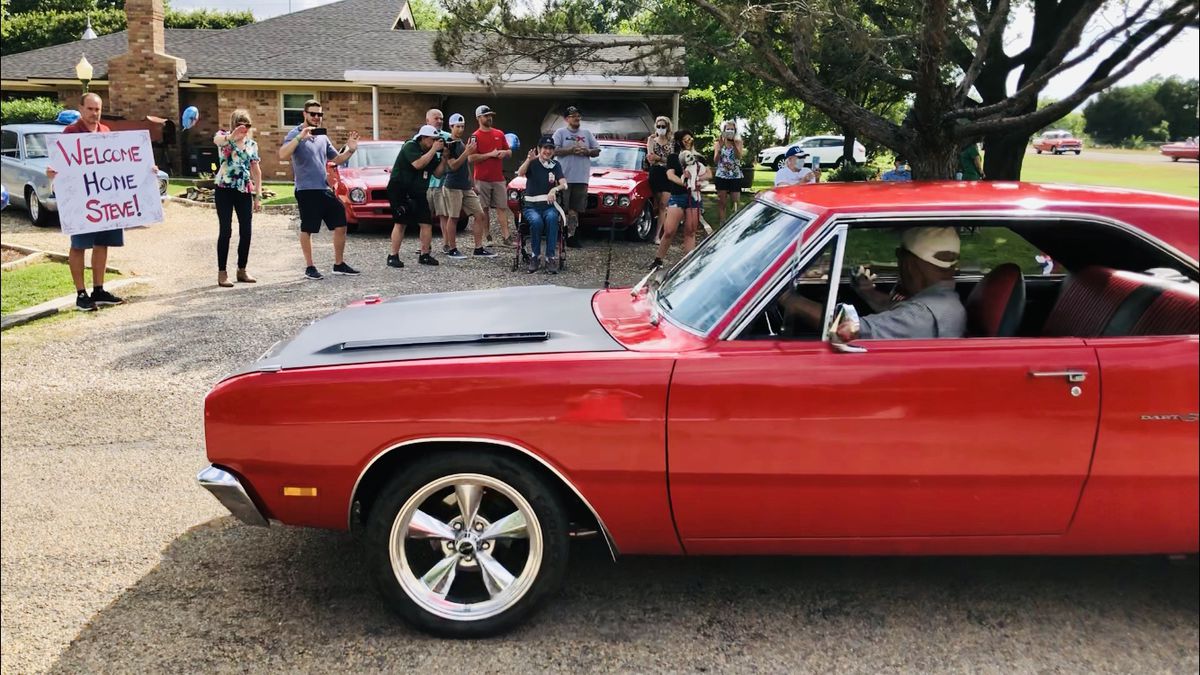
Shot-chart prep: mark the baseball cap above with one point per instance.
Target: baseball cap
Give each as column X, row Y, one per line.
column 545, row 140
column 457, row 119
column 571, row 110
column 938, row 246
column 429, row 130
column 484, row 110
column 795, row 151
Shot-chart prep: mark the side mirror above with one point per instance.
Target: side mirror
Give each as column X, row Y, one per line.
column 843, row 314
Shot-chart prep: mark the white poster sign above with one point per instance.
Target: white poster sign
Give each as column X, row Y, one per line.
column 105, row 181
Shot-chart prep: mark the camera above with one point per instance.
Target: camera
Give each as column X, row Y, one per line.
column 319, row 131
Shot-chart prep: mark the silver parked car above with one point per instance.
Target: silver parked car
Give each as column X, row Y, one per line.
column 25, row 150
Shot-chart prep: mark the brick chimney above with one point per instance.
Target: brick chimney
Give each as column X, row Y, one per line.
column 144, row 80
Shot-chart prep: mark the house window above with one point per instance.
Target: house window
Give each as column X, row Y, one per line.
column 292, row 105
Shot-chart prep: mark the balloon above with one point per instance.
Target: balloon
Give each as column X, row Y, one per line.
column 514, row 143
column 190, row 116
column 3, row 197
column 67, row 117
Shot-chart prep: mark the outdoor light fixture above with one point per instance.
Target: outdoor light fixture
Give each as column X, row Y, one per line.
column 88, row 33
column 83, row 71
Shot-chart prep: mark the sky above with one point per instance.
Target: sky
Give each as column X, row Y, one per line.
column 1178, row 58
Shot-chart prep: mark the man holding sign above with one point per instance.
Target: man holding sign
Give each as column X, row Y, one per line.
column 103, row 185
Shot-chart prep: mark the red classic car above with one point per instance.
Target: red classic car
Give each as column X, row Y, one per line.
column 1058, row 142
column 690, row 415
column 1188, row 149
column 361, row 183
column 618, row 191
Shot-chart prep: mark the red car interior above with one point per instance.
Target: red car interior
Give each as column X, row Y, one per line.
column 1099, row 301
column 996, row 305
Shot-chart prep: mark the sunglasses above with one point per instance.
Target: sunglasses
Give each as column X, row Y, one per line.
column 314, row 114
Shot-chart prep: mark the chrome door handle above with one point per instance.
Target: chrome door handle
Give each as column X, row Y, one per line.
column 1070, row 375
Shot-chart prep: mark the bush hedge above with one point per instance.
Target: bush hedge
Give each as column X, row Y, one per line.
column 29, row 110
column 33, row 30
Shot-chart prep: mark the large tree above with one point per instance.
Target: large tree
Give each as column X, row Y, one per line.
column 967, row 76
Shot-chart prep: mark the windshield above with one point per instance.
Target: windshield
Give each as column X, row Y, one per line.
column 37, row 146
column 620, row 157
column 699, row 291
column 375, row 154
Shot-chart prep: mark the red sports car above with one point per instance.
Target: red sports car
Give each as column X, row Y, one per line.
column 1058, row 142
column 618, row 191
column 692, row 415
column 1188, row 149
column 361, row 183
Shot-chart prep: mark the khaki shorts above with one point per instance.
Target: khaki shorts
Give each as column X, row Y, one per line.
column 493, row 195
column 437, row 205
column 457, row 201
column 577, row 197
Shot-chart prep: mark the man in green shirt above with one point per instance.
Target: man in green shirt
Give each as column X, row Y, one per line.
column 970, row 164
column 407, row 192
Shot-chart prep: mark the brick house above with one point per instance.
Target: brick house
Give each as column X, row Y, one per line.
column 361, row 58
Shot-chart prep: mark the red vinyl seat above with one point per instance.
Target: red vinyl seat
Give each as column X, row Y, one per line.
column 996, row 305
column 1103, row 302
column 1176, row 311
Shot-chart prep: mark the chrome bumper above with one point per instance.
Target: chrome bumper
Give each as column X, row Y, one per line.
column 229, row 491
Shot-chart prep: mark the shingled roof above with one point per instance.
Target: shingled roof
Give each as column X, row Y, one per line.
column 318, row 44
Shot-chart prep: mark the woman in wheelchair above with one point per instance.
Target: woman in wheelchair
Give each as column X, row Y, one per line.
column 543, row 180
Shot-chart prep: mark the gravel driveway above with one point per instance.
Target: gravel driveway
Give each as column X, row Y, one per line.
column 113, row 560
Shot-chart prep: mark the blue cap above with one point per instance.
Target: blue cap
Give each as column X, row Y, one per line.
column 795, row 151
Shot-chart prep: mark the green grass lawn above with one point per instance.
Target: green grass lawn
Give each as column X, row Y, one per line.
column 1176, row 178
column 285, row 193
column 33, row 285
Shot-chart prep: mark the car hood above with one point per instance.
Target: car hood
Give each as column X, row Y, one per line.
column 496, row 322
column 371, row 176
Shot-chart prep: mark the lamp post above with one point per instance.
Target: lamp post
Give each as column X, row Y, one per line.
column 83, row 71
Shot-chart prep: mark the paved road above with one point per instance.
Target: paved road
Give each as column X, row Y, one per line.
column 114, row 561
column 1124, row 158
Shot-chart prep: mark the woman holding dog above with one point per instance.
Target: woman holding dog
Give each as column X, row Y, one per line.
column 659, row 146
column 727, row 158
column 686, row 175
column 238, row 188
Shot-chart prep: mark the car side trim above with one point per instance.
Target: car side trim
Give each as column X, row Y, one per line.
column 612, row 546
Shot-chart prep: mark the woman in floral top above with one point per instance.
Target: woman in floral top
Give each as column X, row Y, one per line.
column 239, row 188
column 727, row 158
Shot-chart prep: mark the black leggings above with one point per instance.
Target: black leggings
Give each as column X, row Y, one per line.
column 228, row 200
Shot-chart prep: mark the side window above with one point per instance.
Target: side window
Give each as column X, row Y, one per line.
column 8, row 144
column 292, row 107
column 807, row 288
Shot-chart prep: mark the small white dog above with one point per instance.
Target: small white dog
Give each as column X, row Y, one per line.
column 690, row 160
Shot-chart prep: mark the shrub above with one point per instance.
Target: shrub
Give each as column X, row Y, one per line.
column 33, row 30
column 849, row 172
column 1134, row 143
column 29, row 110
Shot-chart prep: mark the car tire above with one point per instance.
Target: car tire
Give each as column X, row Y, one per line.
column 1174, row 159
column 1055, row 151
column 778, row 163
column 1078, row 151
column 438, row 573
column 642, row 229
column 38, row 215
column 1038, row 150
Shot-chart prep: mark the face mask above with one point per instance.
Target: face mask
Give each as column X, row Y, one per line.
column 662, row 131
column 729, row 133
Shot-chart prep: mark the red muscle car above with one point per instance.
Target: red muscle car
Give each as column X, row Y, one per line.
column 691, row 415
column 361, row 183
column 1188, row 149
column 1058, row 142
column 618, row 191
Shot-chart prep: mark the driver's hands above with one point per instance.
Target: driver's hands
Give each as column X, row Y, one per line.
column 864, row 278
column 847, row 331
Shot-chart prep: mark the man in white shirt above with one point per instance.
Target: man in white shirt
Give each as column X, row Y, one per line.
column 792, row 173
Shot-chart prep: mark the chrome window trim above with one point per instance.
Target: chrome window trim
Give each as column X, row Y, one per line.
column 842, row 222
column 612, row 546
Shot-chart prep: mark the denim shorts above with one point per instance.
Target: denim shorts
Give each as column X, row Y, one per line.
column 683, row 201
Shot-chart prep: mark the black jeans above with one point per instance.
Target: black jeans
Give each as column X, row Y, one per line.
column 229, row 200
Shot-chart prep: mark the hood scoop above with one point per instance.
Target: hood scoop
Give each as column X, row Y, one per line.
column 477, row 338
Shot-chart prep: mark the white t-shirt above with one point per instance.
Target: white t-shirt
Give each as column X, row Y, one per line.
column 786, row 176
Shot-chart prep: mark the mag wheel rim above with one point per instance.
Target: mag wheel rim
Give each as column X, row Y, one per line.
column 466, row 547
column 645, row 223
column 35, row 207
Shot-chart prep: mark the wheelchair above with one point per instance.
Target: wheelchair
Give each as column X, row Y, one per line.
column 522, row 252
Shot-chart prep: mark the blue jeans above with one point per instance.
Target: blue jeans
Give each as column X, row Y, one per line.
column 543, row 222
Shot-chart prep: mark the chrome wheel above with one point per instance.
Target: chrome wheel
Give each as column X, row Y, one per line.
column 35, row 207
column 466, row 547
column 643, row 228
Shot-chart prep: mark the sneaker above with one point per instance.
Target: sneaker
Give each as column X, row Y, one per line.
column 312, row 274
column 103, row 297
column 83, row 303
column 455, row 254
column 427, row 259
column 345, row 270
column 483, row 253
column 445, row 250
column 507, row 242
column 573, row 241
column 658, row 262
column 533, row 264
column 394, row 261
column 551, row 266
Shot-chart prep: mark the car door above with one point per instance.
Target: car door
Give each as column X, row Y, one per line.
column 777, row 439
column 10, row 154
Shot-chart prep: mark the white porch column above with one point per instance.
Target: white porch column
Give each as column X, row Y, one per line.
column 675, row 110
column 374, row 112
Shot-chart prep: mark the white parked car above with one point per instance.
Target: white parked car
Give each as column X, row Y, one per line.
column 826, row 149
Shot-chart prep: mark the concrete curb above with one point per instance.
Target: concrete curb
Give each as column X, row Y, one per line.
column 28, row 260
column 56, row 257
column 52, row 307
